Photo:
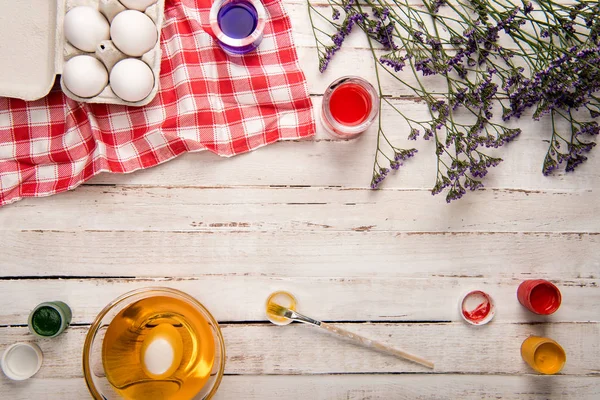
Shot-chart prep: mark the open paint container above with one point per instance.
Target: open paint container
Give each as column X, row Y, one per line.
column 543, row 355
column 238, row 25
column 539, row 296
column 49, row 319
column 284, row 299
column 107, row 51
column 477, row 307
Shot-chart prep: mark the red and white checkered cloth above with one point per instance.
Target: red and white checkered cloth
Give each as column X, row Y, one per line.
column 205, row 102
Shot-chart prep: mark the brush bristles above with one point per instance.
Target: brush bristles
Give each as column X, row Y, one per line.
column 276, row 309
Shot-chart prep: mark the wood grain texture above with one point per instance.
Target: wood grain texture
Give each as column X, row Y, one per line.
column 350, row 387
column 390, row 265
column 330, row 162
column 355, row 55
column 242, row 298
column 376, row 345
column 293, row 209
column 349, row 165
column 265, row 349
column 361, row 253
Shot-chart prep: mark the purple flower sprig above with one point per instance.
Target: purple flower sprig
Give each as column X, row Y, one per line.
column 338, row 38
column 525, row 58
column 385, row 163
column 569, row 151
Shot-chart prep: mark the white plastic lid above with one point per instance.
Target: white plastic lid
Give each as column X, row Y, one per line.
column 21, row 361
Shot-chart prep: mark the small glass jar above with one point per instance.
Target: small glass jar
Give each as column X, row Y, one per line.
column 350, row 106
column 238, row 25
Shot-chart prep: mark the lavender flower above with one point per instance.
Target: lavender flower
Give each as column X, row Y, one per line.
column 437, row 4
column 339, row 37
column 574, row 161
column 418, row 36
column 553, row 71
column 380, row 28
column 403, row 155
column 589, row 128
column 414, row 134
column 335, row 14
column 391, row 60
column 378, row 177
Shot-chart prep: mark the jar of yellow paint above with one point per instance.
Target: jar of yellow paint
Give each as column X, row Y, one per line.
column 543, row 355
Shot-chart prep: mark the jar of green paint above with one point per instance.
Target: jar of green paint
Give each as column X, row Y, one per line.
column 49, row 319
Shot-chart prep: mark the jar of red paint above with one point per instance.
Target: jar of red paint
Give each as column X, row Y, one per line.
column 350, row 106
column 539, row 296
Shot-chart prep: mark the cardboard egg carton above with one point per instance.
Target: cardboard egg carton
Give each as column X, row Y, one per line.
column 34, row 49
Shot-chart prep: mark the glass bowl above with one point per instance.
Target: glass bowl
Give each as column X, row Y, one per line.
column 93, row 356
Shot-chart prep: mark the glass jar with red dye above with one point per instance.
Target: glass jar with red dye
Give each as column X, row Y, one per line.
column 350, row 106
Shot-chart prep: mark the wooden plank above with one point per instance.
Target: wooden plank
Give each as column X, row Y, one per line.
column 328, row 162
column 350, row 387
column 355, row 56
column 293, row 209
column 301, row 254
column 355, row 52
column 242, row 298
column 359, row 61
column 300, row 350
column 361, row 387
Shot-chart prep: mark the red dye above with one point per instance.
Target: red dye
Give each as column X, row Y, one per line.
column 479, row 313
column 350, row 104
column 544, row 299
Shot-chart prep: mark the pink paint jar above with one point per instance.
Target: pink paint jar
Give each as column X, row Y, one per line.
column 539, row 296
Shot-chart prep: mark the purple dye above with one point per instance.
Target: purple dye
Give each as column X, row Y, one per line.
column 238, row 19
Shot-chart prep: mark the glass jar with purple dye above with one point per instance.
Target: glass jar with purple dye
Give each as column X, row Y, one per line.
column 238, row 25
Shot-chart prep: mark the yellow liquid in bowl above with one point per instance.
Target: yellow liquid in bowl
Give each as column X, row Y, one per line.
column 159, row 322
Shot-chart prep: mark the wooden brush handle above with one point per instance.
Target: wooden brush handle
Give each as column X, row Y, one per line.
column 363, row 341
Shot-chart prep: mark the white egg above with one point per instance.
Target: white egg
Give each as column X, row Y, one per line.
column 85, row 76
column 85, row 28
column 132, row 80
column 133, row 33
column 140, row 5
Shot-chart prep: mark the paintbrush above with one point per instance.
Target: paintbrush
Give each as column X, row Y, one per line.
column 276, row 309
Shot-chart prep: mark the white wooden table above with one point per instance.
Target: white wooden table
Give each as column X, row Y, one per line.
column 390, row 264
